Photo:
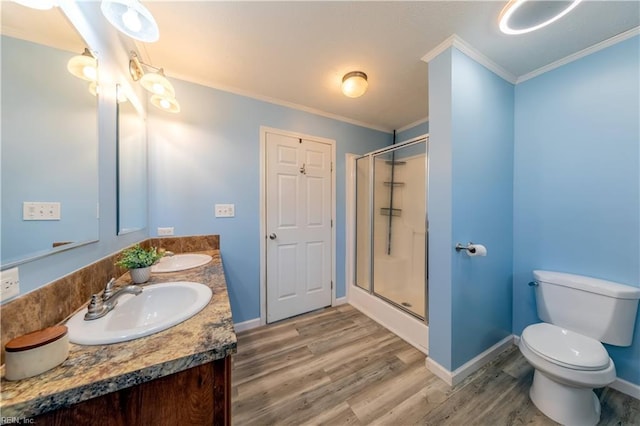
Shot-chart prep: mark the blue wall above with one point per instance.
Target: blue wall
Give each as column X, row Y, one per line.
column 470, row 199
column 209, row 153
column 412, row 132
column 439, row 201
column 46, row 156
column 577, row 179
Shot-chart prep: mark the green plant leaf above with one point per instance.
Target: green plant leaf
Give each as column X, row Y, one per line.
column 137, row 257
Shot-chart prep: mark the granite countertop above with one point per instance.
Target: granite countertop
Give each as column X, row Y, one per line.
column 92, row 371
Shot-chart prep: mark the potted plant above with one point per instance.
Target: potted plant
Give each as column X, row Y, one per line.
column 138, row 261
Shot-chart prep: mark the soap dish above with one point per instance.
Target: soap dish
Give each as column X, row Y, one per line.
column 35, row 353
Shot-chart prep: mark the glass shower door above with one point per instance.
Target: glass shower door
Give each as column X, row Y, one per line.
column 399, row 227
column 363, row 223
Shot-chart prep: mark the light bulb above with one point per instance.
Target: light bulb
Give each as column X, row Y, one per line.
column 165, row 104
column 89, row 72
column 158, row 88
column 131, row 20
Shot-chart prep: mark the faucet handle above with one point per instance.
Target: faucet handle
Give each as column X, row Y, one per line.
column 96, row 308
column 108, row 289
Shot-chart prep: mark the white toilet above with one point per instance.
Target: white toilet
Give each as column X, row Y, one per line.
column 569, row 360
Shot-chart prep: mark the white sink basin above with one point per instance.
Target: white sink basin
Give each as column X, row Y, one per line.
column 180, row 262
column 157, row 308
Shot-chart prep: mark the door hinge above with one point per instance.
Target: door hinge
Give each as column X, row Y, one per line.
column 332, row 166
column 332, row 223
column 331, row 285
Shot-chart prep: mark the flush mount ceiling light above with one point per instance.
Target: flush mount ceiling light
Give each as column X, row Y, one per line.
column 131, row 18
column 165, row 103
column 84, row 66
column 354, row 84
column 524, row 16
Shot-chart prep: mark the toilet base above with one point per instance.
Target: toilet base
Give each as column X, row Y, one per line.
column 566, row 405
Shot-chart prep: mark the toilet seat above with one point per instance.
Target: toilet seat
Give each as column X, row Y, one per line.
column 565, row 348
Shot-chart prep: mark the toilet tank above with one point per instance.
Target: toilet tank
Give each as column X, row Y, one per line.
column 603, row 310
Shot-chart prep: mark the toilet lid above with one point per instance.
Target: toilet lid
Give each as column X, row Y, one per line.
column 565, row 347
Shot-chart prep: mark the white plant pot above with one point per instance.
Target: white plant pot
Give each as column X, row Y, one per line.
column 140, row 275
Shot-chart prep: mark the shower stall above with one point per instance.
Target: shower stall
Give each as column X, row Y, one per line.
column 390, row 262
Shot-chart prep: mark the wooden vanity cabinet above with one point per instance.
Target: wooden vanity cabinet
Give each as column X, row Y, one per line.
column 198, row 396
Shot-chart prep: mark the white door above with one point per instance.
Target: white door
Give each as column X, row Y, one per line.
column 299, row 206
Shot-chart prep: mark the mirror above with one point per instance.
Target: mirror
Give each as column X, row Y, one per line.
column 49, row 151
column 131, row 166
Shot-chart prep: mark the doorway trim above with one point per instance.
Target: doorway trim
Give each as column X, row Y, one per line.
column 263, row 212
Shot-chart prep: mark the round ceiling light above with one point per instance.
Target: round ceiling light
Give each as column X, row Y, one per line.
column 354, row 84
column 524, row 16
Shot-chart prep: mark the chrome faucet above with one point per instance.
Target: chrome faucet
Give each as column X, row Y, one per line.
column 101, row 305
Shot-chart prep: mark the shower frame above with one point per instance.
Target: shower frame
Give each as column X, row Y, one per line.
column 371, row 189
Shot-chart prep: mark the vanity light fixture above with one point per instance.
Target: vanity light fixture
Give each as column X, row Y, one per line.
column 131, row 18
column 354, row 84
column 163, row 93
column 94, row 89
column 84, row 66
column 165, row 103
column 157, row 83
column 507, row 15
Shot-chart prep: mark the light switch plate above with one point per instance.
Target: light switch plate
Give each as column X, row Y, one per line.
column 40, row 210
column 225, row 210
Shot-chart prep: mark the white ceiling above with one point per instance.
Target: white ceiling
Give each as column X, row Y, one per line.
column 297, row 52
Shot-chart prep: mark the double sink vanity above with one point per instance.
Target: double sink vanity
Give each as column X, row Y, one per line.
column 160, row 357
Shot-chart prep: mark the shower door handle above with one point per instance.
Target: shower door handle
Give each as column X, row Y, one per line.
column 273, row 236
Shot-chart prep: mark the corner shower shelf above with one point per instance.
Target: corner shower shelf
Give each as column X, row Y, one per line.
column 396, row 163
column 393, row 183
column 386, row 211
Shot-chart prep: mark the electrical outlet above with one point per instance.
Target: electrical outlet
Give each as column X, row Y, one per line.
column 35, row 210
column 225, row 210
column 10, row 286
column 163, row 232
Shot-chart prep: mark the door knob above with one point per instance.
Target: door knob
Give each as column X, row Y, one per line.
column 273, row 236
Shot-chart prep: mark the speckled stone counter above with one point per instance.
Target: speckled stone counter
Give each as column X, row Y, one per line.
column 92, row 371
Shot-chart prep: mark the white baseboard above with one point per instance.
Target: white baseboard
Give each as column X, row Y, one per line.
column 627, row 388
column 247, row 325
column 439, row 371
column 452, row 378
column 340, row 301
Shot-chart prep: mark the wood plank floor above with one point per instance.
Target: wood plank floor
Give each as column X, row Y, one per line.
column 338, row 367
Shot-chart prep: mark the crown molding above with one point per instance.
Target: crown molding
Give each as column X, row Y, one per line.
column 584, row 52
column 412, row 125
column 275, row 101
column 464, row 47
